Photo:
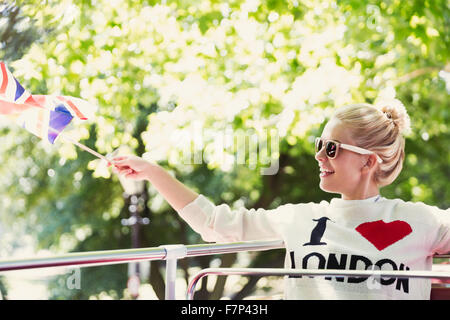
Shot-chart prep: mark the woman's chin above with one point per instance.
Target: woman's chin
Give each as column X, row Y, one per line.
column 327, row 187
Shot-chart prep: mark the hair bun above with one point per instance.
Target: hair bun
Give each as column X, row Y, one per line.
column 396, row 111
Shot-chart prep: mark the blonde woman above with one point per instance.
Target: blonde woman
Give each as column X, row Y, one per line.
column 361, row 150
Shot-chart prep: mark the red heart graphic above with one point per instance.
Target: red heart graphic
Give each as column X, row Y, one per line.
column 382, row 234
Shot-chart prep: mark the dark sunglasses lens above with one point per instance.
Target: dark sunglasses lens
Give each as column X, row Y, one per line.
column 331, row 149
column 318, row 145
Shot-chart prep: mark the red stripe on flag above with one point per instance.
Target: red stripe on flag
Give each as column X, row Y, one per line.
column 12, row 108
column 74, row 108
column 40, row 99
column 5, row 78
column 33, row 102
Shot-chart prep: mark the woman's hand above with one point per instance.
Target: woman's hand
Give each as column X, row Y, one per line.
column 132, row 167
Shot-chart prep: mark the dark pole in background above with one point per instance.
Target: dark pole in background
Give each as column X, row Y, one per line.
column 135, row 200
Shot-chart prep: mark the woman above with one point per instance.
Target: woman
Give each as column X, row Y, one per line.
column 361, row 150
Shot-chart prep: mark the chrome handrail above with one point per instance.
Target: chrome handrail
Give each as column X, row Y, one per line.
column 170, row 253
column 309, row 272
column 97, row 258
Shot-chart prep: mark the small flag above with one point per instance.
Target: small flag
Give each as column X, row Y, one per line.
column 46, row 116
column 11, row 91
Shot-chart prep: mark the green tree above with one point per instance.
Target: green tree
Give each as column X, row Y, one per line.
column 17, row 33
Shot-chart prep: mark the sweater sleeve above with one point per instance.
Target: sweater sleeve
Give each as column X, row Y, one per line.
column 221, row 224
column 441, row 243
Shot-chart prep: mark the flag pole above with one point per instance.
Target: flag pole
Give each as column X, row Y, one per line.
column 80, row 145
column 85, row 148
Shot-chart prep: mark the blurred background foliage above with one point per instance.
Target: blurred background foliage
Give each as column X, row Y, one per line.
column 159, row 71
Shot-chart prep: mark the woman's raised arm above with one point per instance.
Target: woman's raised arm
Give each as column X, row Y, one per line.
column 175, row 192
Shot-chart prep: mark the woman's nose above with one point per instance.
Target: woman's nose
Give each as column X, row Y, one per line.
column 320, row 156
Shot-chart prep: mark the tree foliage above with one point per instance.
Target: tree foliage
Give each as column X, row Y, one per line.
column 159, row 71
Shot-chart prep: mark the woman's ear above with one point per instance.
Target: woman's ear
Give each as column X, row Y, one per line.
column 370, row 162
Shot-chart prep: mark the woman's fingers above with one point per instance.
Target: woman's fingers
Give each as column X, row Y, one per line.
column 122, row 170
column 131, row 174
column 120, row 162
column 122, row 165
column 119, row 169
column 119, row 158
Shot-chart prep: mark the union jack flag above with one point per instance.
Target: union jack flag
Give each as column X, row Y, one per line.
column 43, row 115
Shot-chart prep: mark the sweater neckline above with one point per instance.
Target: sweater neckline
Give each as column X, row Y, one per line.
column 342, row 202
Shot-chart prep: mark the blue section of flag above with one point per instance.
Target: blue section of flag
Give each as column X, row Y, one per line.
column 19, row 90
column 59, row 119
column 62, row 108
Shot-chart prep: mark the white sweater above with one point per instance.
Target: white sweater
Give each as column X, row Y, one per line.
column 371, row 234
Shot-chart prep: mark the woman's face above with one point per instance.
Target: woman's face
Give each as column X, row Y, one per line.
column 347, row 167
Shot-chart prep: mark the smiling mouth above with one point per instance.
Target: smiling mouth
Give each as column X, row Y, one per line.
column 326, row 173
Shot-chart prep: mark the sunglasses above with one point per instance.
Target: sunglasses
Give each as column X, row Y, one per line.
column 332, row 148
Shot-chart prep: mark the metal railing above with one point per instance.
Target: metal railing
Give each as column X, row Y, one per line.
column 312, row 273
column 170, row 253
column 106, row 257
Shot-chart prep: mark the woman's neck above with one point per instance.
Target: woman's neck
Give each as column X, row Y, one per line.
column 362, row 193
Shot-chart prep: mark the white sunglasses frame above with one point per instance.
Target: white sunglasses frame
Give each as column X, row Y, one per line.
column 347, row 147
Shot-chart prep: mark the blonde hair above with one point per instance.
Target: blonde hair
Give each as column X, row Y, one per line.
column 381, row 129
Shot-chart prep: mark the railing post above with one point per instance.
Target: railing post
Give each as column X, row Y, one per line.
column 173, row 253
